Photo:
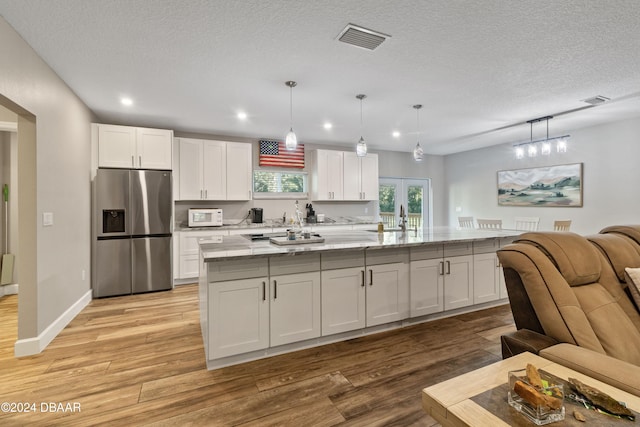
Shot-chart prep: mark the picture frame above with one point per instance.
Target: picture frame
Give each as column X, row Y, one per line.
column 543, row 186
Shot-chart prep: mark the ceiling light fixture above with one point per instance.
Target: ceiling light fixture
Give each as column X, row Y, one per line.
column 328, row 125
column 126, row 101
column 291, row 141
column 395, row 134
column 418, row 153
column 242, row 115
column 361, row 146
column 540, row 145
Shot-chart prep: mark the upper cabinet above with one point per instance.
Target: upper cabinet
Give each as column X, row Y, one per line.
column 360, row 175
column 342, row 175
column 214, row 170
column 133, row 147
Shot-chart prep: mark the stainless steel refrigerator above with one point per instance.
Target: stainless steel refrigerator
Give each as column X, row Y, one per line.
column 132, row 220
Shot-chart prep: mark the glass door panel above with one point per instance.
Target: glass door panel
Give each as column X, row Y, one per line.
column 412, row 194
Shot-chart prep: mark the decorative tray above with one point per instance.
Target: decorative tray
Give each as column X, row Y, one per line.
column 298, row 241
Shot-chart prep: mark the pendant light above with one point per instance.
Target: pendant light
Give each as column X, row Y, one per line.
column 291, row 141
column 418, row 153
column 361, row 146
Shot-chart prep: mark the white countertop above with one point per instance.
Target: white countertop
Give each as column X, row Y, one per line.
column 238, row 246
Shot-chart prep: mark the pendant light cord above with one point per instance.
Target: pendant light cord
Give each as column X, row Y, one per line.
column 361, row 127
column 417, row 126
column 291, row 107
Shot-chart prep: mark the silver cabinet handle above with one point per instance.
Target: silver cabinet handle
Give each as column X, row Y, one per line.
column 206, row 194
column 201, row 193
column 133, row 162
column 448, row 267
column 441, row 268
column 275, row 289
column 362, row 282
column 370, row 277
column 264, row 291
column 139, row 161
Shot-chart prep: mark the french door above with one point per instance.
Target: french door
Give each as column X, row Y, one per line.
column 413, row 195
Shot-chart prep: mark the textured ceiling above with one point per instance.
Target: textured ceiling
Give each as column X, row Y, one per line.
column 480, row 68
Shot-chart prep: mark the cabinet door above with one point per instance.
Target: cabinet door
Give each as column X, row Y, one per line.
column 427, row 287
column 352, row 182
column 328, row 175
column 486, row 281
column 153, row 148
column 191, row 186
column 387, row 293
column 369, row 177
column 343, row 300
column 116, row 146
column 295, row 307
column 239, row 179
column 214, row 167
column 458, row 282
column 238, row 317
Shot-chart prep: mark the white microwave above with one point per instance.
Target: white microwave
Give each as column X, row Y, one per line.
column 205, row 217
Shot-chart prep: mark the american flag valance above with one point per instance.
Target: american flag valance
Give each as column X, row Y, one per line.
column 275, row 153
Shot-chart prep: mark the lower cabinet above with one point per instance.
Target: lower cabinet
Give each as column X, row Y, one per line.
column 343, row 300
column 387, row 294
column 295, row 307
column 487, row 273
column 427, row 287
column 458, row 282
column 238, row 317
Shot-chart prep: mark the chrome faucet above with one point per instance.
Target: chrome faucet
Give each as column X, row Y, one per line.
column 403, row 219
column 298, row 220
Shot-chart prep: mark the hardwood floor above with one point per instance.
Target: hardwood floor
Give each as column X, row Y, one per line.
column 139, row 360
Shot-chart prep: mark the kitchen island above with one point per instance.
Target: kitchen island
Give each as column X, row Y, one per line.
column 259, row 299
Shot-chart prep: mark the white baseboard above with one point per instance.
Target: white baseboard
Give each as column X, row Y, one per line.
column 9, row 289
column 31, row 346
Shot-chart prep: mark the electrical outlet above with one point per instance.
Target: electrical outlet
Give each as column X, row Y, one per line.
column 458, row 209
column 84, row 275
column 47, row 219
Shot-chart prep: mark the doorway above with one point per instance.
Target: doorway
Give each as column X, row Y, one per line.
column 413, row 195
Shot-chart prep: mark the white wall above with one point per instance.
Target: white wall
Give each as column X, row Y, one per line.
column 62, row 186
column 609, row 154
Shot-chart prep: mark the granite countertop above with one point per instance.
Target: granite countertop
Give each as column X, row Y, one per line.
column 237, row 246
column 235, row 225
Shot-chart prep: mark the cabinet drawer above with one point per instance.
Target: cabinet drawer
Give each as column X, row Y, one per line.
column 342, row 259
column 237, row 269
column 294, row 264
column 458, row 249
column 386, row 256
column 485, row 246
column 427, row 252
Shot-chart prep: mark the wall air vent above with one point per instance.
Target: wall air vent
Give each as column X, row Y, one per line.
column 361, row 37
column 596, row 100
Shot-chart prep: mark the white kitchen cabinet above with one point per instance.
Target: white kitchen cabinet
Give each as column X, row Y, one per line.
column 295, row 307
column 387, row 297
column 343, row 300
column 214, row 170
column 238, row 317
column 458, row 282
column 427, row 287
column 239, row 173
column 486, row 277
column 131, row 147
column 360, row 175
column 327, row 175
column 188, row 254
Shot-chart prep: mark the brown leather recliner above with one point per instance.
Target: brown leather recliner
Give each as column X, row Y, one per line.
column 569, row 307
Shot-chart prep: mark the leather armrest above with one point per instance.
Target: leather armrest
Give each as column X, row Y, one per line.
column 524, row 340
column 615, row 372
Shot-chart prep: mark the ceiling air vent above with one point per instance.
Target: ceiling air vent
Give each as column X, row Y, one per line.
column 596, row 100
column 361, row 37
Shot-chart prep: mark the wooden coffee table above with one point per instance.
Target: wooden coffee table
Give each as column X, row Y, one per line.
column 450, row 403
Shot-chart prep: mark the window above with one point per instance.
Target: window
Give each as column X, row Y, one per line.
column 279, row 185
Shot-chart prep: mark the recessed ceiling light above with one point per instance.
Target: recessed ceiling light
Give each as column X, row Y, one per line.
column 328, row 125
column 242, row 115
column 126, row 101
column 396, row 134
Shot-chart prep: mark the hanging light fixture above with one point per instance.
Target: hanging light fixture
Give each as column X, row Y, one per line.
column 541, row 145
column 291, row 141
column 418, row 153
column 361, row 146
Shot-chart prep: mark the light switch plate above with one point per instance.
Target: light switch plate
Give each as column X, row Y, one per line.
column 47, row 219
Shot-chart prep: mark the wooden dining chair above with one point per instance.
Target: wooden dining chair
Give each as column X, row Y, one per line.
column 465, row 221
column 562, row 225
column 527, row 223
column 492, row 224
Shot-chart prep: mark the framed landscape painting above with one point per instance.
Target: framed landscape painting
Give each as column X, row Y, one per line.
column 559, row 186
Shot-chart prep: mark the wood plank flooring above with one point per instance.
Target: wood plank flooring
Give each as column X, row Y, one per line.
column 139, row 360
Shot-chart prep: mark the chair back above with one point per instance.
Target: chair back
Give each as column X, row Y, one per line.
column 493, row 224
column 562, row 225
column 465, row 221
column 527, row 223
